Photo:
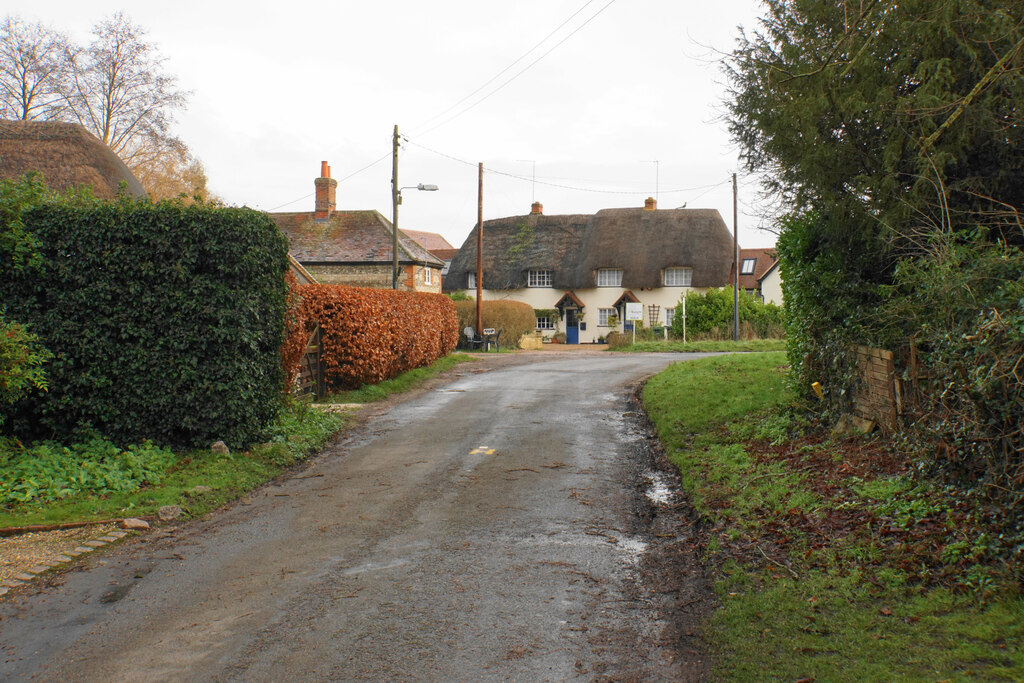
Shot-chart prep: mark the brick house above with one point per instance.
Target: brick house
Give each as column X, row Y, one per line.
column 354, row 247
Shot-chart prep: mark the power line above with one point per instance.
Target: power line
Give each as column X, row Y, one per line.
column 708, row 188
column 520, row 73
column 500, row 73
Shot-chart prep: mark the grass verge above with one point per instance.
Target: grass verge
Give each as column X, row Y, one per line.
column 831, row 559
column 705, row 346
column 198, row 481
column 369, row 393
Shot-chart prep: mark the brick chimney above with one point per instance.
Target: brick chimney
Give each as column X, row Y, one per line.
column 537, row 208
column 650, row 204
column 326, row 192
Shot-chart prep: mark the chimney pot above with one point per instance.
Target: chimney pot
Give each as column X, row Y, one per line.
column 326, row 193
column 536, row 208
column 650, row 204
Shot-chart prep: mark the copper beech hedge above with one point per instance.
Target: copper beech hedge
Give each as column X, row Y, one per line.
column 370, row 335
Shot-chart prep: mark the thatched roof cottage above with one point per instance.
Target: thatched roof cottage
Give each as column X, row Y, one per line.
column 580, row 271
column 354, row 247
column 66, row 154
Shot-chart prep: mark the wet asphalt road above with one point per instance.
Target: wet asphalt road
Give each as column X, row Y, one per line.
column 482, row 530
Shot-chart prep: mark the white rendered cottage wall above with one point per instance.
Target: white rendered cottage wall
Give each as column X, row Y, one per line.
column 771, row 287
column 593, row 299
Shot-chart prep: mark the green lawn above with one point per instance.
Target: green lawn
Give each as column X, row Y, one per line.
column 830, row 561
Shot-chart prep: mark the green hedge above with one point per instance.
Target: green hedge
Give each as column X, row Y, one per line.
column 165, row 321
column 710, row 314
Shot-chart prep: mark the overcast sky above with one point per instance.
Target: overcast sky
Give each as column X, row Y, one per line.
column 279, row 86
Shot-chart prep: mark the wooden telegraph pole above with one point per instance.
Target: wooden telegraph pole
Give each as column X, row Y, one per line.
column 480, row 249
column 735, row 267
column 394, row 211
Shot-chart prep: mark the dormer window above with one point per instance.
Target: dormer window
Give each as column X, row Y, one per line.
column 540, row 278
column 678, row 277
column 609, row 277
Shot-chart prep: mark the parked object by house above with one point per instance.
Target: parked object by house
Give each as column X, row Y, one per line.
column 754, row 265
column 347, row 247
column 579, row 271
column 67, row 155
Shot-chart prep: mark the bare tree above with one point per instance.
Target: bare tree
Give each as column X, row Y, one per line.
column 34, row 61
column 119, row 90
column 167, row 169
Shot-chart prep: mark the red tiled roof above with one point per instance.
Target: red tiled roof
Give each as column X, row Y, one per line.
column 348, row 237
column 431, row 241
column 765, row 258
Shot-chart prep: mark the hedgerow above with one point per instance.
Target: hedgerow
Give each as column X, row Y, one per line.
column 710, row 315
column 165, row 321
column 371, row 335
column 513, row 318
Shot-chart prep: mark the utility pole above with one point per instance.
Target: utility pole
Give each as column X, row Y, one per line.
column 394, row 211
column 735, row 267
column 480, row 249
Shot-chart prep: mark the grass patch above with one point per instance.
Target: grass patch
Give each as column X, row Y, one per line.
column 831, row 560
column 299, row 432
column 369, row 393
column 707, row 346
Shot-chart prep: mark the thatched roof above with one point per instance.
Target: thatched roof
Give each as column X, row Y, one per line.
column 641, row 243
column 348, row 238
column 66, row 154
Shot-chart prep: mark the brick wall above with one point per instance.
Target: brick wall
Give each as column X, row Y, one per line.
column 878, row 392
column 378, row 277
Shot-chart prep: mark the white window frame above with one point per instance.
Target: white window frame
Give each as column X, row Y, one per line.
column 670, row 314
column 678, row 276
column 548, row 323
column 603, row 315
column 428, row 276
column 471, row 281
column 747, row 266
column 609, row 277
column 540, row 278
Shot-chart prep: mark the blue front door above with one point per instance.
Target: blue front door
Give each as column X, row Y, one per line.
column 572, row 326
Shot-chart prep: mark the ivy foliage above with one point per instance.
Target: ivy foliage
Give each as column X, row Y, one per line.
column 165, row 321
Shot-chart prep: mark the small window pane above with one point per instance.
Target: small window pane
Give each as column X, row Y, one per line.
column 678, row 277
column 603, row 314
column 747, row 267
column 428, row 276
column 609, row 277
column 670, row 314
column 471, row 281
column 540, row 278
column 544, row 323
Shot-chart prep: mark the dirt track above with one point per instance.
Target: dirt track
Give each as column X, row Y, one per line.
column 497, row 527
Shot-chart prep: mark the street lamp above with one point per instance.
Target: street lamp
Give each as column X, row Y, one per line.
column 396, row 199
column 394, row 222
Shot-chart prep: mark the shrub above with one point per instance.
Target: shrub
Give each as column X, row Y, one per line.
column 513, row 318
column 21, row 360
column 165, row 321
column 709, row 315
column 371, row 335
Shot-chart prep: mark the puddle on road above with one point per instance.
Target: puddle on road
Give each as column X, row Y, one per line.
column 658, row 491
